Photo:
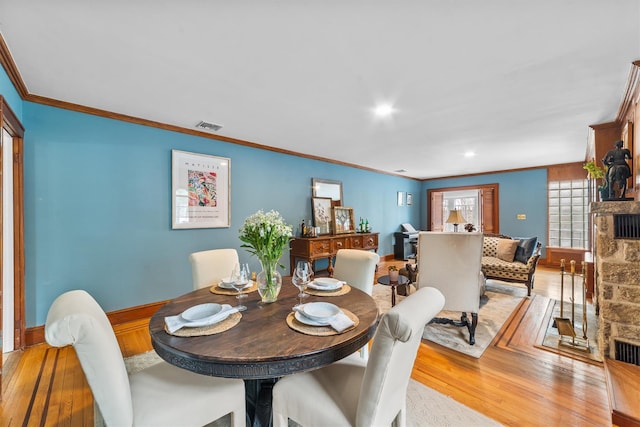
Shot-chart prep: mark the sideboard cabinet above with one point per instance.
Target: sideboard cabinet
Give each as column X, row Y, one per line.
column 326, row 247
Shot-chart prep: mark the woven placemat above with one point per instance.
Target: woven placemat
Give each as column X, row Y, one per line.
column 319, row 331
column 345, row 289
column 215, row 289
column 216, row 328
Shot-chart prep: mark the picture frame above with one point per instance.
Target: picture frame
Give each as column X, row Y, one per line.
column 400, row 198
column 200, row 190
column 327, row 188
column 343, row 221
column 322, row 218
column 409, row 199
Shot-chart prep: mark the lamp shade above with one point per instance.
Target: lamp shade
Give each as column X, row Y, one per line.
column 455, row 217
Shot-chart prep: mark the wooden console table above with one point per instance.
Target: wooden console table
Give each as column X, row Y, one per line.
column 321, row 247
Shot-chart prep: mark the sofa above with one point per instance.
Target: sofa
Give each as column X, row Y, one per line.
column 510, row 260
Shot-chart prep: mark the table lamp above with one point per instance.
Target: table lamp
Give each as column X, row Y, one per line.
column 455, row 218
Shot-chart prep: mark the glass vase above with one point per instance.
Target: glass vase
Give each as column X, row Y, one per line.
column 269, row 281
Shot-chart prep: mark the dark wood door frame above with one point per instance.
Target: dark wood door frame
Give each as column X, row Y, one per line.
column 489, row 205
column 10, row 122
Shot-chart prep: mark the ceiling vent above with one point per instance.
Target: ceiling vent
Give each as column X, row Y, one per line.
column 208, row 126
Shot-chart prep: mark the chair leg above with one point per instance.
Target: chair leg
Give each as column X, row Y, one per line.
column 471, row 326
column 364, row 352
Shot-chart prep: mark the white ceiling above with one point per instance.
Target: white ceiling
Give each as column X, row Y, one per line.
column 518, row 82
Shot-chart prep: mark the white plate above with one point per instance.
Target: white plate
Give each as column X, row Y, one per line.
column 325, row 284
column 320, row 311
column 200, row 312
column 304, row 319
column 228, row 285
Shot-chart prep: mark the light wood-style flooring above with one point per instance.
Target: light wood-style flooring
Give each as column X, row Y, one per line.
column 513, row 382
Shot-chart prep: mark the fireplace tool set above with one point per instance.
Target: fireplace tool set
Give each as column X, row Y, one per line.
column 567, row 327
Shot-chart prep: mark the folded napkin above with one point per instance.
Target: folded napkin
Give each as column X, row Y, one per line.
column 340, row 322
column 174, row 323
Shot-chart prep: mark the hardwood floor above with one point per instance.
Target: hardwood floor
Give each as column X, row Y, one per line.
column 513, row 382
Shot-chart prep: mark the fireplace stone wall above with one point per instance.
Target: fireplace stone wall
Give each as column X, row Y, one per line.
column 617, row 278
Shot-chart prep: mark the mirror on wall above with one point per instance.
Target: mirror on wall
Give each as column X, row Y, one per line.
column 327, row 188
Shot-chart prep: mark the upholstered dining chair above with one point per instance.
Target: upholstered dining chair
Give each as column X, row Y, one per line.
column 160, row 395
column 452, row 263
column 208, row 267
column 357, row 268
column 352, row 392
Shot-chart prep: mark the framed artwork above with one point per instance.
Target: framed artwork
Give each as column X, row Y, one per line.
column 327, row 188
column 409, row 199
column 321, row 207
column 200, row 190
column 400, row 198
column 343, row 220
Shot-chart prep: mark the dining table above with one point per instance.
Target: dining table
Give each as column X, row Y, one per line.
column 266, row 343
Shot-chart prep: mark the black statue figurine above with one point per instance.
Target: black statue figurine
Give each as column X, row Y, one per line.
column 617, row 170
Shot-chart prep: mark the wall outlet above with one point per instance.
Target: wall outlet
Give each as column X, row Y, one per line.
column 521, row 216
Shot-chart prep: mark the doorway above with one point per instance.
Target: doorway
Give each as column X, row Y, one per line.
column 479, row 206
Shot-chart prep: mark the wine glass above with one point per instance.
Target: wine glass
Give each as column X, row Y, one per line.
column 302, row 275
column 239, row 280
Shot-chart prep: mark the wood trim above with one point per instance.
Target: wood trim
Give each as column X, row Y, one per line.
column 144, row 122
column 630, row 93
column 495, row 211
column 19, row 310
column 10, row 119
column 12, row 70
column 486, row 173
column 35, row 334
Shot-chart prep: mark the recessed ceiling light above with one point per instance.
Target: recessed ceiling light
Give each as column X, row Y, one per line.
column 383, row 110
column 469, row 154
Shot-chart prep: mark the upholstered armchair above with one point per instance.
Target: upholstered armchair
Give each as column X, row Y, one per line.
column 209, row 267
column 452, row 263
column 160, row 395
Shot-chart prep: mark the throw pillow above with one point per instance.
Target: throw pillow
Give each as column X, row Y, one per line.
column 525, row 249
column 507, row 249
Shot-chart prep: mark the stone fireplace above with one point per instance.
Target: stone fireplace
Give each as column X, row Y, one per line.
column 617, row 253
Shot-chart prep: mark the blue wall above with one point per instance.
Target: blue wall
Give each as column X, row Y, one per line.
column 98, row 208
column 9, row 93
column 522, row 192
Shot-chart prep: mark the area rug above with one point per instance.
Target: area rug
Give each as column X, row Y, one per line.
column 425, row 406
column 549, row 338
column 496, row 306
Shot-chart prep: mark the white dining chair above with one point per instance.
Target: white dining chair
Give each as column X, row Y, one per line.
column 160, row 395
column 209, row 267
column 358, row 269
column 353, row 392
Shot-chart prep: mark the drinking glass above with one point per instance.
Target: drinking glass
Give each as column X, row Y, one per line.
column 239, row 279
column 302, row 275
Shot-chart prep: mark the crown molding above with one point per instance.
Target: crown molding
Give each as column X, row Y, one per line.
column 631, row 93
column 11, row 68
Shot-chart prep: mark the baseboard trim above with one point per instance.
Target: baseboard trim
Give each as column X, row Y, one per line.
column 35, row 335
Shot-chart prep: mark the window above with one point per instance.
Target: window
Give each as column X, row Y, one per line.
column 569, row 213
column 466, row 201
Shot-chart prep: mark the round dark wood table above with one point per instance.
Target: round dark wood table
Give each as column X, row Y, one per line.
column 262, row 345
